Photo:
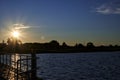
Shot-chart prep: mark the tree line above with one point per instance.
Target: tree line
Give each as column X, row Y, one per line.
column 15, row 45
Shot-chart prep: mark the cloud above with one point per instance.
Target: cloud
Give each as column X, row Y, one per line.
column 20, row 26
column 110, row 8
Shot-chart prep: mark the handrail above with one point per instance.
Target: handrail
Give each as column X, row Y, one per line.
column 17, row 67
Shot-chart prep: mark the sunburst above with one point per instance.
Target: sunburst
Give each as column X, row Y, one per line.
column 16, row 34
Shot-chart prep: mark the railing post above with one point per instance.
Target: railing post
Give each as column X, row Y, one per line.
column 10, row 60
column 17, row 70
column 6, row 59
column 3, row 59
column 0, row 58
column 33, row 66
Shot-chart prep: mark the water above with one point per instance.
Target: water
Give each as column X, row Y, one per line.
column 79, row 66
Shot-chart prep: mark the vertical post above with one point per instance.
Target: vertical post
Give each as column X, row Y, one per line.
column 20, row 63
column 3, row 59
column 17, row 70
column 10, row 59
column 28, row 75
column 14, row 65
column 6, row 59
column 0, row 58
column 27, row 63
column 33, row 66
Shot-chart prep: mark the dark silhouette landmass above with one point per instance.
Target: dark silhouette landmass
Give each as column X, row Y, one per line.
column 14, row 45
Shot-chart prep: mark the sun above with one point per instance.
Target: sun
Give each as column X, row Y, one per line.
column 16, row 34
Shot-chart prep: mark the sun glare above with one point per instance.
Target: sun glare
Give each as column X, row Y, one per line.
column 15, row 34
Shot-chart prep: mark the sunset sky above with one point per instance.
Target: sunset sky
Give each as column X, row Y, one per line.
column 72, row 21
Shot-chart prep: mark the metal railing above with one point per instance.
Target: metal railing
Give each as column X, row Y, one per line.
column 18, row 66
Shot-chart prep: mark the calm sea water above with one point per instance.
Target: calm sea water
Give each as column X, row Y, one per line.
column 80, row 66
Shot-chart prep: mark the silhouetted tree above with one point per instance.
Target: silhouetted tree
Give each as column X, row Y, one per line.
column 116, row 46
column 54, row 44
column 2, row 45
column 13, row 44
column 90, row 45
column 64, row 45
column 110, row 46
column 79, row 45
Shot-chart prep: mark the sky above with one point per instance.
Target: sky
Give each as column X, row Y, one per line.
column 70, row 21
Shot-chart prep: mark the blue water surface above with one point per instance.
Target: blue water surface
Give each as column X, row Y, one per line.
column 79, row 66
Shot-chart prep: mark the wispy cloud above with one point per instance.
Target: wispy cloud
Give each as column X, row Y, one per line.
column 109, row 8
column 20, row 26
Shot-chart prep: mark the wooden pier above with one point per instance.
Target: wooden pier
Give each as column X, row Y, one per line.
column 14, row 66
